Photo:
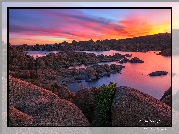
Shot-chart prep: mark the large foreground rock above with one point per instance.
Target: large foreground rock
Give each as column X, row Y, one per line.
column 84, row 99
column 46, row 108
column 64, row 93
column 18, row 118
column 131, row 107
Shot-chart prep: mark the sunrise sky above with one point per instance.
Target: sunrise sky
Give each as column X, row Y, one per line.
column 48, row 26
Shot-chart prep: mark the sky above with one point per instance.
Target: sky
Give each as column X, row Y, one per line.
column 43, row 26
column 56, row 26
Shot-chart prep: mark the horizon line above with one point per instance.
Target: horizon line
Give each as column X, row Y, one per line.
column 99, row 39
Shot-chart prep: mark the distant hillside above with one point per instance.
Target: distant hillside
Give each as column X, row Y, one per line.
column 154, row 42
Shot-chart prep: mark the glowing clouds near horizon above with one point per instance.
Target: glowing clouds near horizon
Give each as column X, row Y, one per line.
column 48, row 26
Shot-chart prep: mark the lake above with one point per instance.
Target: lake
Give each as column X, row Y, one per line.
column 134, row 75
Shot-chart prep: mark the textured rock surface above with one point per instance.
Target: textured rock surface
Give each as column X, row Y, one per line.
column 18, row 118
column 166, row 52
column 84, row 99
column 45, row 107
column 166, row 98
column 64, row 93
column 131, row 107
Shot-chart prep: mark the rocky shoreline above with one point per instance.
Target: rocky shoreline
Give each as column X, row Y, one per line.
column 31, row 105
column 62, row 76
column 132, row 60
column 156, row 42
column 54, row 68
column 39, row 96
column 166, row 52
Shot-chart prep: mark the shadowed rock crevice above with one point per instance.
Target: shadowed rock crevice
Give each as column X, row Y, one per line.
column 18, row 118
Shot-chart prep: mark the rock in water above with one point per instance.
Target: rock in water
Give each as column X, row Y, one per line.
column 46, row 108
column 158, row 73
column 131, row 107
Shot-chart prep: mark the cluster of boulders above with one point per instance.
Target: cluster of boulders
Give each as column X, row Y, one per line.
column 53, row 68
column 97, row 71
column 166, row 52
column 30, row 105
column 19, row 60
column 155, row 42
column 158, row 73
column 66, row 59
column 71, row 58
column 132, row 60
column 46, row 77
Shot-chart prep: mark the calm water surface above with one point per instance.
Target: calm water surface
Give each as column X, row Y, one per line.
column 133, row 75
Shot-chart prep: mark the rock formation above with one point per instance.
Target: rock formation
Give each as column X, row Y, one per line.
column 158, row 73
column 18, row 118
column 46, row 108
column 131, row 107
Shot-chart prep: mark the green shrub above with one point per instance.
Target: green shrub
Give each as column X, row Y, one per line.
column 103, row 101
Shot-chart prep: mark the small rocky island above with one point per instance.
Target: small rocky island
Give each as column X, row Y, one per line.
column 158, row 73
column 132, row 60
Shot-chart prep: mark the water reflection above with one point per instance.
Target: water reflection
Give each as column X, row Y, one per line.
column 36, row 54
column 134, row 75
